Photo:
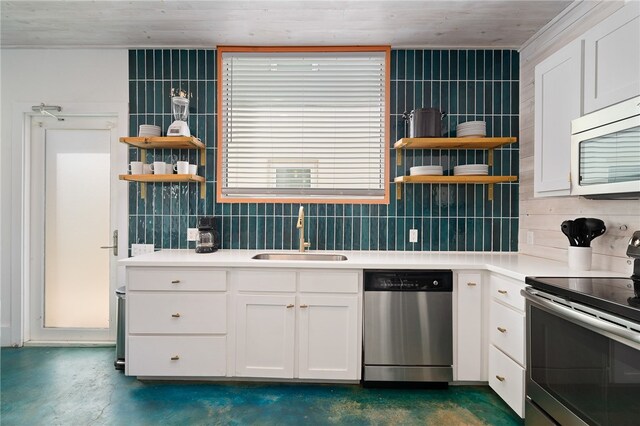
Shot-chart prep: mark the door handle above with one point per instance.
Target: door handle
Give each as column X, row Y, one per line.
column 115, row 243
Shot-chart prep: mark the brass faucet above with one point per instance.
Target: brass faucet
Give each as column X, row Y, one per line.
column 300, row 226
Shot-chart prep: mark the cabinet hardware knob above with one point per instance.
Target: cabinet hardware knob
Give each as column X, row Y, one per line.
column 175, row 358
column 500, row 378
column 471, row 284
column 502, row 291
column 502, row 330
column 290, row 305
column 304, row 306
column 176, row 315
column 175, row 282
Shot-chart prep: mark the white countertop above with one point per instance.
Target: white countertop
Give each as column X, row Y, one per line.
column 515, row 265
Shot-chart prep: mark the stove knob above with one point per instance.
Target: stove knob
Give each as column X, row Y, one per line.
column 436, row 283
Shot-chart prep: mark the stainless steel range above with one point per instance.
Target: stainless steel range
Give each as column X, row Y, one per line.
column 408, row 326
column 583, row 349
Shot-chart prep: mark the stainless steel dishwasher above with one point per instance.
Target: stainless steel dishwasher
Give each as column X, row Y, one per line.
column 408, row 326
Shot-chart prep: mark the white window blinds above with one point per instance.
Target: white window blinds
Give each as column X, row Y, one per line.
column 303, row 125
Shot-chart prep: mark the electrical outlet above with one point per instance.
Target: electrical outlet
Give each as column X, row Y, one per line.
column 530, row 237
column 413, row 235
column 192, row 234
column 138, row 249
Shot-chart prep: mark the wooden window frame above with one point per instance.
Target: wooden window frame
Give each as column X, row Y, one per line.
column 286, row 49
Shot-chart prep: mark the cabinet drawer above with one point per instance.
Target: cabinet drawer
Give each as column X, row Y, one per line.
column 175, row 279
column 261, row 280
column 196, row 356
column 329, row 282
column 507, row 331
column 507, row 379
column 177, row 312
column 507, row 290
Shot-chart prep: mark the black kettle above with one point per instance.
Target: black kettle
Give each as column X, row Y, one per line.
column 424, row 123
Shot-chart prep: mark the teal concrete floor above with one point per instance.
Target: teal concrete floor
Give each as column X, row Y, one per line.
column 79, row 386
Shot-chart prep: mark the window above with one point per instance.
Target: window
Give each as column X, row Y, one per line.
column 303, row 124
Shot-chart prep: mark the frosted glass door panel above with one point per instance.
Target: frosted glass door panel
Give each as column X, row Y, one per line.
column 611, row 158
column 77, row 196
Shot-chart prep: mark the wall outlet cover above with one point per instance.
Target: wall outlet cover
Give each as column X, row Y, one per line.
column 138, row 249
column 413, row 235
column 530, row 238
column 192, row 234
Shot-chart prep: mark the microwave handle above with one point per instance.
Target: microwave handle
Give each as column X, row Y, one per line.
column 600, row 326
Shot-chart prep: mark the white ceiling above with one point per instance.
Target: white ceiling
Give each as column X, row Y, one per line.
column 173, row 23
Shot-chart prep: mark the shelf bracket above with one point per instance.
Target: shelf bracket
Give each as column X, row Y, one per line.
column 399, row 190
column 490, row 192
column 143, row 190
column 143, row 155
column 203, row 157
column 490, row 159
column 399, row 157
column 203, row 190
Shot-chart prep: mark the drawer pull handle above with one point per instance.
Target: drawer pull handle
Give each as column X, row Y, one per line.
column 500, row 378
column 175, row 282
column 304, row 306
column 502, row 291
column 502, row 330
column 175, row 358
column 472, row 284
column 290, row 305
column 176, row 315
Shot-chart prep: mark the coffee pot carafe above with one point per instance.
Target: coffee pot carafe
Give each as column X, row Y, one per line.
column 208, row 237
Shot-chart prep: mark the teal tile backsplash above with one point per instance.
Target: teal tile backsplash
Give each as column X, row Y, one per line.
column 467, row 84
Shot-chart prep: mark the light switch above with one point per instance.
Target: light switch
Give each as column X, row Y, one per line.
column 413, row 235
column 138, row 249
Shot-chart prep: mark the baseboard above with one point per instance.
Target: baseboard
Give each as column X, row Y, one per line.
column 69, row 344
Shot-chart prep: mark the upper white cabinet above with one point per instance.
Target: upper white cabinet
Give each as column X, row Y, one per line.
column 558, row 84
column 612, row 59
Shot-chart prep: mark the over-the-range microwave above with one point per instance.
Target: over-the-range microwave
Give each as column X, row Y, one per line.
column 605, row 152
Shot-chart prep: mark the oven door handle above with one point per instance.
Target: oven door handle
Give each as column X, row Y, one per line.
column 606, row 328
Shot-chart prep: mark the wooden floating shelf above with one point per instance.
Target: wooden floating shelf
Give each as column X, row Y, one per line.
column 478, row 179
column 164, row 142
column 453, row 143
column 144, row 179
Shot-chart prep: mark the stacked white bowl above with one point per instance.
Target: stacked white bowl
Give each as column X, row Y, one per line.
column 471, row 128
column 149, row 130
column 425, row 171
column 471, row 170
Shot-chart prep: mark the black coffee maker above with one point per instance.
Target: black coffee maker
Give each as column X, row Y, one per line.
column 208, row 237
column 633, row 251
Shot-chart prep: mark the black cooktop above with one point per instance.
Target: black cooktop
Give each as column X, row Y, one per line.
column 620, row 296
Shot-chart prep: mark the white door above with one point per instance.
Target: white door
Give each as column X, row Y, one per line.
column 73, row 194
column 328, row 337
column 469, row 317
column 265, row 327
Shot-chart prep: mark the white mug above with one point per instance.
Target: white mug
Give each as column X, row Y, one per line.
column 193, row 169
column 159, row 167
column 181, row 167
column 135, row 167
column 146, row 169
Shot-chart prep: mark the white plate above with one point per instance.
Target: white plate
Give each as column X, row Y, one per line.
column 471, row 174
column 425, row 171
column 471, row 168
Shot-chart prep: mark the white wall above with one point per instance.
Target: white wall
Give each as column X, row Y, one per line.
column 542, row 216
column 30, row 77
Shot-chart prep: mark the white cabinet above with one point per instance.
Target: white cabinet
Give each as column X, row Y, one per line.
column 322, row 307
column 558, row 86
column 612, row 59
column 328, row 336
column 265, row 328
column 507, row 341
column 469, row 354
column 176, row 322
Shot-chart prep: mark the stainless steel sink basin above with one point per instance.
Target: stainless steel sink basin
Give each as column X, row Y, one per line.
column 300, row 256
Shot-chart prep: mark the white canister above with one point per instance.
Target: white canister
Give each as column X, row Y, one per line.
column 579, row 258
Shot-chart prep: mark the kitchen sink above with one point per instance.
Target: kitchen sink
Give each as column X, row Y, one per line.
column 300, row 256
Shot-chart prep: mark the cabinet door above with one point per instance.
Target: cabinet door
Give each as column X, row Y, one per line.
column 265, row 327
column 612, row 59
column 558, row 87
column 328, row 342
column 469, row 339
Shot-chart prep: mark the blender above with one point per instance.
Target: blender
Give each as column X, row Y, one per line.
column 180, row 109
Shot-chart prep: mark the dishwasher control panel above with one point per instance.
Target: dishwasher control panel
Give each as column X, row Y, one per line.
column 408, row 280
